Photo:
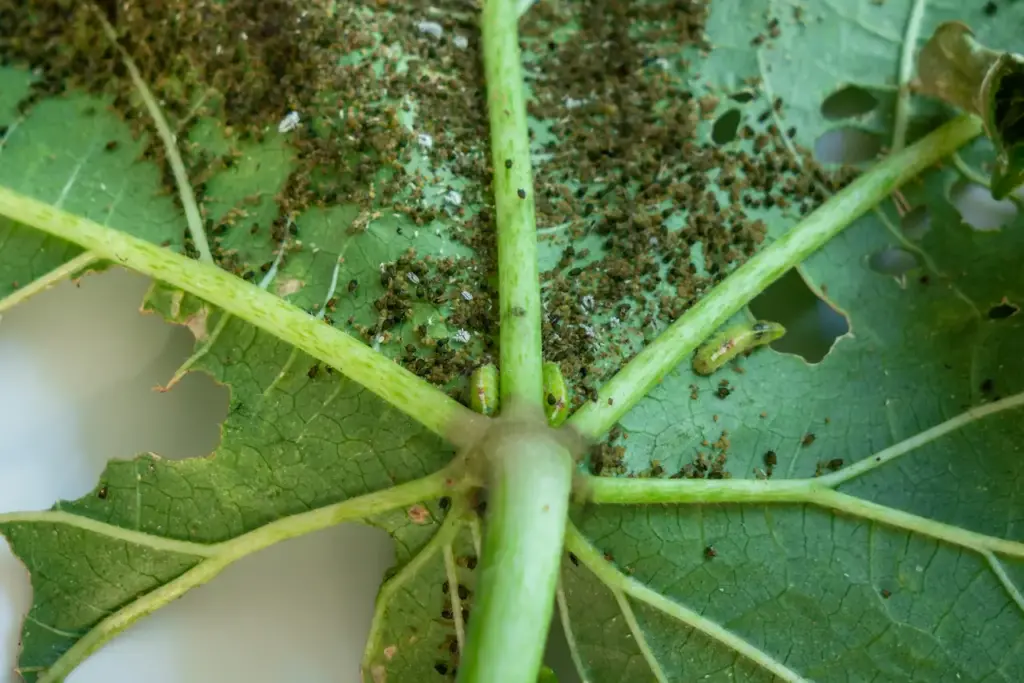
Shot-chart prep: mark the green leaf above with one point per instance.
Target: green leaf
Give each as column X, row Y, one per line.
column 423, row 607
column 664, row 159
column 859, row 596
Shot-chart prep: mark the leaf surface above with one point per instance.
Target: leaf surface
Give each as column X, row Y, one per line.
column 834, row 596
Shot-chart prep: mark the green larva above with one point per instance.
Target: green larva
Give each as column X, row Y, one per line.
column 483, row 392
column 731, row 342
column 556, row 394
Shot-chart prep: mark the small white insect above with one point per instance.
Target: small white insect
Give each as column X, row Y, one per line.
column 462, row 336
column 413, row 278
column 467, row 296
column 431, row 28
column 453, row 197
column 289, row 122
column 589, row 330
column 572, row 103
column 425, row 140
column 461, row 42
column 588, row 302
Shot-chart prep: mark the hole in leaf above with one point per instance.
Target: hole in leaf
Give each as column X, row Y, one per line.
column 892, row 261
column 742, row 96
column 916, row 223
column 848, row 102
column 724, row 130
column 812, row 324
column 1002, row 311
column 78, row 368
column 121, row 355
column 979, row 209
column 847, row 145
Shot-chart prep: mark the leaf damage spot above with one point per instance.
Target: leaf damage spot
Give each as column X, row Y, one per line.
column 725, row 128
column 176, row 298
column 916, row 223
column 848, row 102
column 196, row 324
column 1003, row 310
column 979, row 209
column 847, row 145
column 892, row 261
column 419, row 514
column 288, row 286
column 389, row 652
column 813, row 324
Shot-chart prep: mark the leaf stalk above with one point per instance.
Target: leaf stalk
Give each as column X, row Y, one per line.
column 529, row 472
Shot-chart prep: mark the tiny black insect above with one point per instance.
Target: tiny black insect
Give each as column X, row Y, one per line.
column 522, row 193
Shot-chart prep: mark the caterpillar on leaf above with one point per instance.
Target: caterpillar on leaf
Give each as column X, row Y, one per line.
column 483, row 392
column 731, row 342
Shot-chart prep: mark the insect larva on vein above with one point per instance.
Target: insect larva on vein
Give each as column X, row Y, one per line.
column 731, row 342
column 556, row 394
column 483, row 390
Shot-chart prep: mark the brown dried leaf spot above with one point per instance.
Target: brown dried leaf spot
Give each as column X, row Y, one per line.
column 419, row 514
column 196, row 323
column 289, row 286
